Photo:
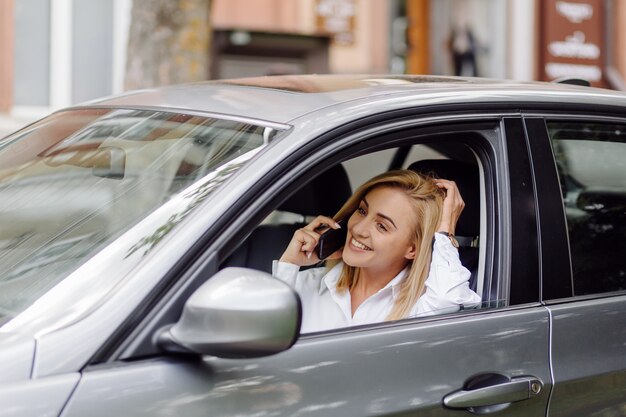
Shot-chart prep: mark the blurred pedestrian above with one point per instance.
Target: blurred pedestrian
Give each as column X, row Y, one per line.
column 463, row 48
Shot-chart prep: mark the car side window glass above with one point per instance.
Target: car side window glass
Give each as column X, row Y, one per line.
column 592, row 173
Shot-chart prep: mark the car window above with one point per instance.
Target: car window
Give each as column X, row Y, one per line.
column 74, row 182
column 592, row 173
column 364, row 167
column 268, row 241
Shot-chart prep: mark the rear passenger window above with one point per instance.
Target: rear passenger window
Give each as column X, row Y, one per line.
column 591, row 162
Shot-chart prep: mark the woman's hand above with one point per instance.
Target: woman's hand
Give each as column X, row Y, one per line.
column 453, row 205
column 300, row 250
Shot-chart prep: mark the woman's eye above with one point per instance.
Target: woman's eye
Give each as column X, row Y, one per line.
column 381, row 227
column 361, row 211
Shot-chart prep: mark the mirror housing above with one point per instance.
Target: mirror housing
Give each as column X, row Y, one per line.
column 237, row 313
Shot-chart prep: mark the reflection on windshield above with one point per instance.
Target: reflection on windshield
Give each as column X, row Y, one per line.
column 194, row 197
column 75, row 181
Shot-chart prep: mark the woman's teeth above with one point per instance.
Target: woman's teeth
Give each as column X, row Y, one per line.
column 360, row 245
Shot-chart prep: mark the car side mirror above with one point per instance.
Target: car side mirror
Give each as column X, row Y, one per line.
column 237, row 313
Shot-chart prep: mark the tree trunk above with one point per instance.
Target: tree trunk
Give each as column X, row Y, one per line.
column 168, row 42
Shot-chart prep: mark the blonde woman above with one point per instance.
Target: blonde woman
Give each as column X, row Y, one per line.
column 398, row 260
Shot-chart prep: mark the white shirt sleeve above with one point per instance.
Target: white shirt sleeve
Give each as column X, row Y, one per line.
column 447, row 285
column 304, row 282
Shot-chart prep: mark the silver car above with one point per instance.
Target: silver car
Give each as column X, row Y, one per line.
column 137, row 234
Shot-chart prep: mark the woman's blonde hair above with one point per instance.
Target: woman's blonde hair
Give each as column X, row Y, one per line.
column 427, row 201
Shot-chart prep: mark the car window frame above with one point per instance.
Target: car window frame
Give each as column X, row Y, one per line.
column 403, row 137
column 329, row 149
column 554, row 263
column 557, row 276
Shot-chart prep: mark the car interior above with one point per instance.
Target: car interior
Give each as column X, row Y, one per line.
column 327, row 192
column 324, row 194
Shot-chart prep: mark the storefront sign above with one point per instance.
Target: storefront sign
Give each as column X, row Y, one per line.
column 336, row 18
column 572, row 41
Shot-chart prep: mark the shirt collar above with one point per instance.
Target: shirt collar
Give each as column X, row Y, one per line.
column 330, row 280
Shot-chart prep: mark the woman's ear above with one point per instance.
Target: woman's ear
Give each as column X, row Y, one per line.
column 410, row 252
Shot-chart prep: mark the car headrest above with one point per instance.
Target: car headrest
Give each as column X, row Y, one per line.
column 324, row 194
column 467, row 179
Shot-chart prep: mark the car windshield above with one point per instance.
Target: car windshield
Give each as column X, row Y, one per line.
column 73, row 182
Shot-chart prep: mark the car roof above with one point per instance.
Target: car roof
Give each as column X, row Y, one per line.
column 283, row 99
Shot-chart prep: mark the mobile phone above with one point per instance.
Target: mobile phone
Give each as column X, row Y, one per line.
column 332, row 240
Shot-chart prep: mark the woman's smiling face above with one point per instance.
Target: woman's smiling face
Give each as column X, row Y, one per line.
column 380, row 231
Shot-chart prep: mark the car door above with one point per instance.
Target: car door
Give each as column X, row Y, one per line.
column 581, row 161
column 492, row 359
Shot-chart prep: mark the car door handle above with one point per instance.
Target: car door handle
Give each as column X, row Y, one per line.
column 516, row 389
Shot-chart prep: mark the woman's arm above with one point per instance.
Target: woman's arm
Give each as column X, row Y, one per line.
column 453, row 205
column 300, row 252
column 447, row 285
column 304, row 282
column 285, row 272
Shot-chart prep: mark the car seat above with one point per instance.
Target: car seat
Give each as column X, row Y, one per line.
column 324, row 194
column 466, row 177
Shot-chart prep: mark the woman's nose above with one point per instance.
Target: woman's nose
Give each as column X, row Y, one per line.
column 360, row 228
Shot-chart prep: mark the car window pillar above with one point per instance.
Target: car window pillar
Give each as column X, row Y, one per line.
column 555, row 266
column 524, row 285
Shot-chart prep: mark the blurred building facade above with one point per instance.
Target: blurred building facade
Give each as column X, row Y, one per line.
column 54, row 53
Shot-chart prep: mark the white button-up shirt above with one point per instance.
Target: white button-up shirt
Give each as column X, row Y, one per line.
column 447, row 288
